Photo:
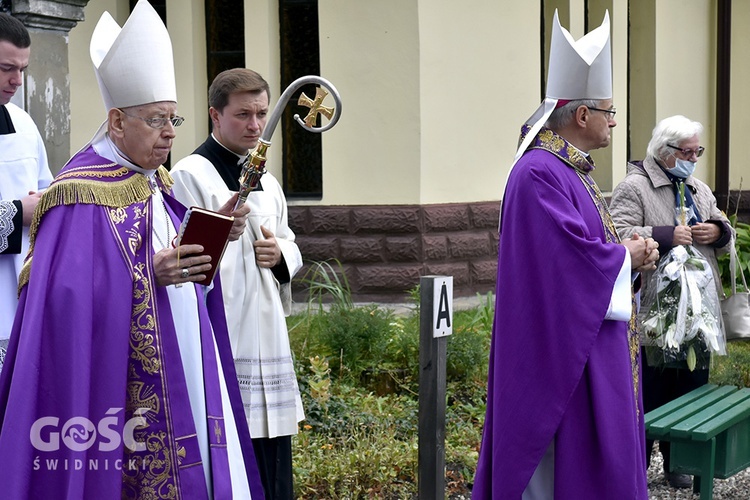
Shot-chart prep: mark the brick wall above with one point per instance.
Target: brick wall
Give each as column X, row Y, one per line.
column 385, row 249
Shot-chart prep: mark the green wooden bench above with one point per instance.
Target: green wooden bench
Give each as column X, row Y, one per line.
column 709, row 429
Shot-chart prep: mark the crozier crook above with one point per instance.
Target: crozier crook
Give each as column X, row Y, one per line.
column 255, row 165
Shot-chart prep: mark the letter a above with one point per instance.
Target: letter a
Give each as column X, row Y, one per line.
column 443, row 311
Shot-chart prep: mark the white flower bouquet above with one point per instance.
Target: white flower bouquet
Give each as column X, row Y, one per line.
column 682, row 316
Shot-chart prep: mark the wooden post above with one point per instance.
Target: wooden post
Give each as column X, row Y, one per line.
column 436, row 323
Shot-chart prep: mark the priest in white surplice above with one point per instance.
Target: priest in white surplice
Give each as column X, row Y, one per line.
column 256, row 270
column 23, row 169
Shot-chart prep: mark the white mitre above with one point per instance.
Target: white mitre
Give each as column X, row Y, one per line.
column 577, row 70
column 133, row 65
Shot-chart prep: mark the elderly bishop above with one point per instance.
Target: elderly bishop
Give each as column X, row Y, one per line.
column 119, row 380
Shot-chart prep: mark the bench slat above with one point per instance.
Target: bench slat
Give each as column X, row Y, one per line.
column 686, row 409
column 678, row 403
column 708, row 417
column 720, row 423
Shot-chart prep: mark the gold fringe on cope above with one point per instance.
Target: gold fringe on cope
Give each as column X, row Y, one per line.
column 134, row 189
column 23, row 277
column 73, row 187
column 166, row 180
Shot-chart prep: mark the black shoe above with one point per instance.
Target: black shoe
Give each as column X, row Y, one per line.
column 679, row 480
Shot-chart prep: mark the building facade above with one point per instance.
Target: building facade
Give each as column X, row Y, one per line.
column 434, row 92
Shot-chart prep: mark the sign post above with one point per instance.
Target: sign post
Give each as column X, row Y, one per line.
column 435, row 324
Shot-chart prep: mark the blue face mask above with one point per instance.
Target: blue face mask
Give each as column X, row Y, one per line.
column 682, row 168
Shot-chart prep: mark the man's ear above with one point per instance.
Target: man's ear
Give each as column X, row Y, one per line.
column 214, row 114
column 582, row 116
column 115, row 119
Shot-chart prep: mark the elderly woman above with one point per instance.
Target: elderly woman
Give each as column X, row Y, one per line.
column 644, row 203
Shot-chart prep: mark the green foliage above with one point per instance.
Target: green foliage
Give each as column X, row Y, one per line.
column 354, row 339
column 358, row 372
column 324, row 282
column 469, row 347
column 742, row 244
column 733, row 369
column 365, row 447
column 320, row 382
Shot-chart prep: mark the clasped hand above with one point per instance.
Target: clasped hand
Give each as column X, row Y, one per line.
column 644, row 252
column 703, row 233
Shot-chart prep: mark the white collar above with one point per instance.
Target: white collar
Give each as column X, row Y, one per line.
column 105, row 148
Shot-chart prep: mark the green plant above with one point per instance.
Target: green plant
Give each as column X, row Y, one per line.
column 320, row 382
column 355, row 441
column 354, row 339
column 742, row 245
column 323, row 281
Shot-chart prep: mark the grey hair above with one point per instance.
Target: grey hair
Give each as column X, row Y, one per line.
column 562, row 116
column 672, row 130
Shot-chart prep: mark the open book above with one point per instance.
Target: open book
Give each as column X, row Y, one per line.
column 207, row 228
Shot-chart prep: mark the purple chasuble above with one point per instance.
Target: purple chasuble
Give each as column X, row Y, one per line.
column 558, row 370
column 93, row 398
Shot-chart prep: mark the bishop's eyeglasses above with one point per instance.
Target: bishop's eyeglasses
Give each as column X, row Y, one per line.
column 160, row 122
column 611, row 111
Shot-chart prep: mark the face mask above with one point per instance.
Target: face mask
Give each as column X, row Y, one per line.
column 682, row 168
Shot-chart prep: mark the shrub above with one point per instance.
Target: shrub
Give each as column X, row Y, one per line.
column 354, row 339
column 357, row 445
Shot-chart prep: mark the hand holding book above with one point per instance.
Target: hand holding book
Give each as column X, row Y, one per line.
column 209, row 229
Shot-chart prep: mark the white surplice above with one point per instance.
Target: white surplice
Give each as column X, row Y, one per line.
column 256, row 303
column 23, row 168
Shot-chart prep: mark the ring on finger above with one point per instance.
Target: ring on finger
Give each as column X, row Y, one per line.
column 185, row 272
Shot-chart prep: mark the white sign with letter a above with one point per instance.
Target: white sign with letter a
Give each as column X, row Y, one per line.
column 442, row 314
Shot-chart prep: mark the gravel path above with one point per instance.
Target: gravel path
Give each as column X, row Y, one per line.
column 736, row 487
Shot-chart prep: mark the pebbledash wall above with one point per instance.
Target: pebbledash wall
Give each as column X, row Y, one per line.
column 385, row 249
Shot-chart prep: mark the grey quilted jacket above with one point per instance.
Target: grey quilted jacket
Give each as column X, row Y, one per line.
column 644, row 203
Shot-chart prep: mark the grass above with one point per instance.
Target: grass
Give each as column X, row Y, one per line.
column 734, row 368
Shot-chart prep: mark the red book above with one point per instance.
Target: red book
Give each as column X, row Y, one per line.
column 207, row 228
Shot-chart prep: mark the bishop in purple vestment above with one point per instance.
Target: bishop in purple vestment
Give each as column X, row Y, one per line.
column 119, row 380
column 564, row 415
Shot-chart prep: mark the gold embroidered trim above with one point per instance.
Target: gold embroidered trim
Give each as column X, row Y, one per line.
column 71, row 191
column 96, row 171
column 147, row 476
column 143, row 325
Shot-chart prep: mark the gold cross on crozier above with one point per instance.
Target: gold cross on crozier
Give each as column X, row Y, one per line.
column 316, row 106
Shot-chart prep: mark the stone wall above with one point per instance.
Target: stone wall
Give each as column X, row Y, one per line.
column 385, row 249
